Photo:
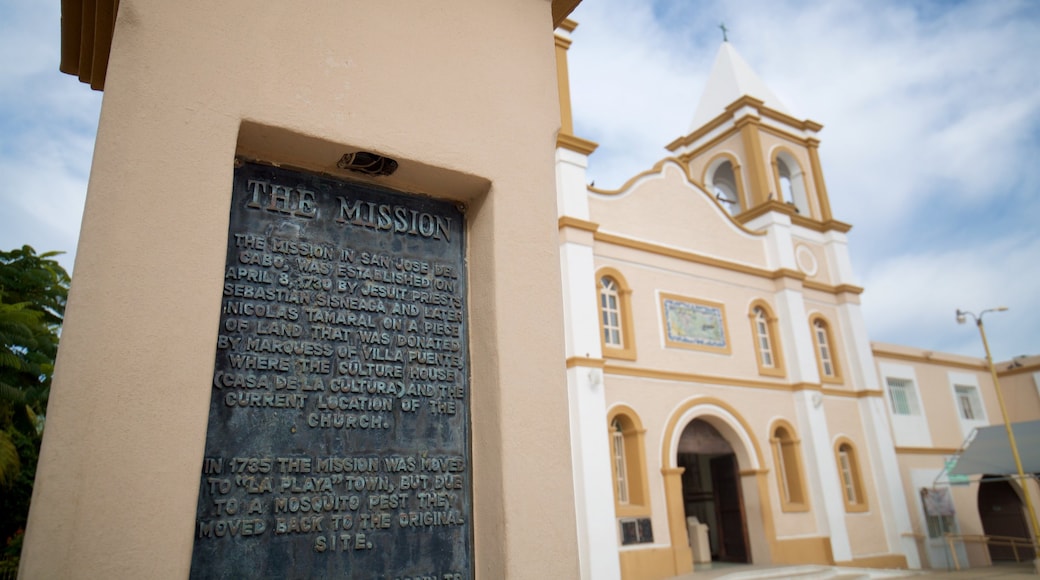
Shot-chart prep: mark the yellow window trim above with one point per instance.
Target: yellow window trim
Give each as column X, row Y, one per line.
column 772, row 327
column 634, row 435
column 795, row 480
column 628, row 339
column 835, row 378
column 862, row 504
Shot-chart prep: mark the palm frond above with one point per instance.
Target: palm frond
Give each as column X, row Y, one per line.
column 10, row 464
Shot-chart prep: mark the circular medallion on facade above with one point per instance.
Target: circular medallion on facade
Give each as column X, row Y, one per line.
column 806, row 260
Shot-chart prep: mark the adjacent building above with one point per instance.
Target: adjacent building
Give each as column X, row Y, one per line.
column 936, row 402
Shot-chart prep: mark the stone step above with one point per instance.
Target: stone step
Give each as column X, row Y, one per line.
column 811, row 572
column 784, row 573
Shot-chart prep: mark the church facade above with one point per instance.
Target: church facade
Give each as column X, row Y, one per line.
column 727, row 403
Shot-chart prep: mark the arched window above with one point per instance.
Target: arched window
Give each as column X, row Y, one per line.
column 610, row 312
column 764, row 331
column 628, row 463
column 765, row 341
column 790, row 181
column 851, row 481
column 787, row 457
column 615, row 315
column 721, row 182
column 826, row 355
column 617, row 446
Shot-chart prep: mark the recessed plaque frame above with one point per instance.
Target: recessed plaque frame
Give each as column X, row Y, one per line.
column 338, row 442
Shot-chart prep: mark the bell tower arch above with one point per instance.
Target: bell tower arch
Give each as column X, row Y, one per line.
column 749, row 151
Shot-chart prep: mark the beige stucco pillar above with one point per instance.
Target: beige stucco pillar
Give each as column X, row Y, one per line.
column 462, row 93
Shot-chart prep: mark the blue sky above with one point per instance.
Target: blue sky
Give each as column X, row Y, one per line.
column 47, row 126
column 930, row 146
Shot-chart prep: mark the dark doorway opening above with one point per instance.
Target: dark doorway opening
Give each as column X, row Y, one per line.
column 711, row 490
column 1002, row 513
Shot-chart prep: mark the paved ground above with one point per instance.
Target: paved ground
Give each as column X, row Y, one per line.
column 1023, row 571
column 1002, row 571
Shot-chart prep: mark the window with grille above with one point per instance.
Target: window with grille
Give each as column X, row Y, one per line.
column 968, row 402
column 940, row 525
column 636, row 531
column 903, row 396
column 939, row 512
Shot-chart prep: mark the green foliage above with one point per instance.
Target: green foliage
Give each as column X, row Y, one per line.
column 33, row 291
column 14, row 498
column 10, row 555
column 10, row 462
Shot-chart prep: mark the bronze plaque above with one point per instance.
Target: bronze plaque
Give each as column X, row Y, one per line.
column 339, row 439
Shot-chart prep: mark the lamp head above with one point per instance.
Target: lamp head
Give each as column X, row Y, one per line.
column 960, row 317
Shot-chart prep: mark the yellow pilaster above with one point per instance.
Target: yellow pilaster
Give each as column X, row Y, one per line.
column 682, row 555
column 749, row 134
column 768, row 525
column 817, row 173
column 566, row 138
column 563, row 78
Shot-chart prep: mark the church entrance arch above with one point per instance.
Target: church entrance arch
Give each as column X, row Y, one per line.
column 719, row 480
column 711, row 490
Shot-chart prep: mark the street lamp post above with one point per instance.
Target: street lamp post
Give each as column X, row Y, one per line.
column 961, row 319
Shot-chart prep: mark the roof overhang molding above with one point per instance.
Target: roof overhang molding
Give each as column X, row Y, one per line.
column 913, row 355
column 796, row 218
column 86, row 39
column 626, row 370
column 563, row 33
column 561, row 9
column 567, row 25
column 576, row 144
column 1013, row 370
column 87, row 27
column 781, row 275
column 743, row 108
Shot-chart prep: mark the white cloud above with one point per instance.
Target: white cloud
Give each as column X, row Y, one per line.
column 46, row 185
column 916, row 295
column 29, row 42
column 48, row 120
